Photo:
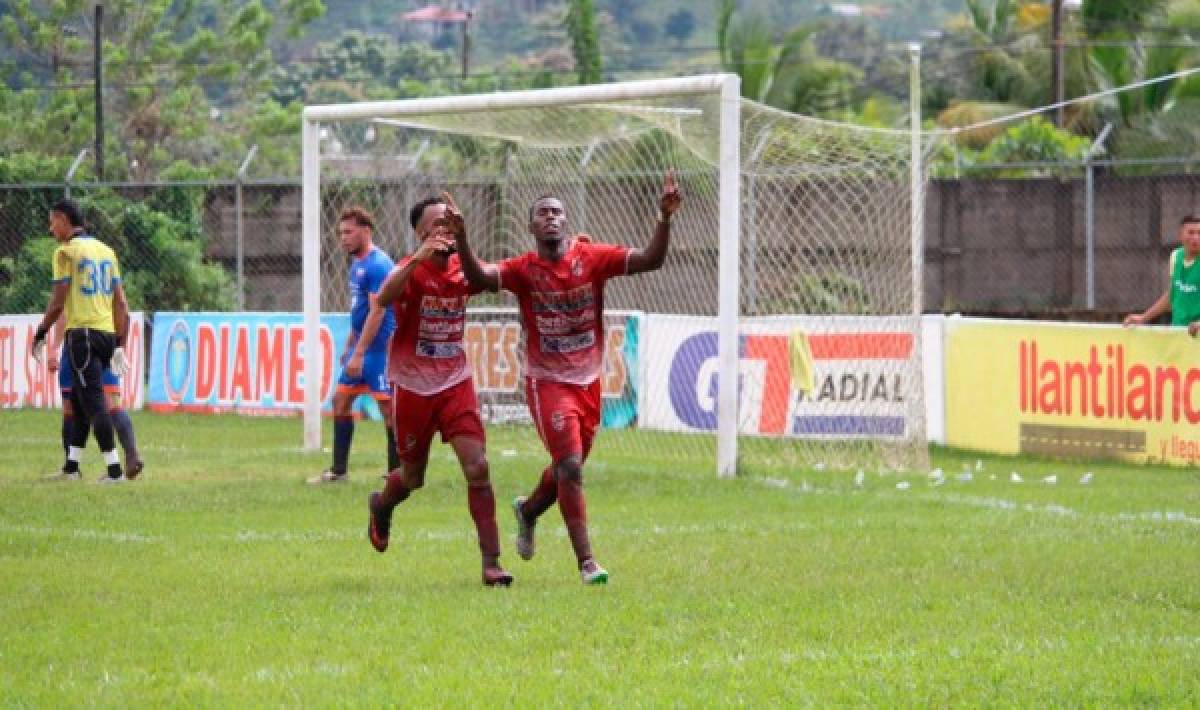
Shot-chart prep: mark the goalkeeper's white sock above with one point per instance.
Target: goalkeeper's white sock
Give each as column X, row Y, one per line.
column 74, row 453
column 111, row 458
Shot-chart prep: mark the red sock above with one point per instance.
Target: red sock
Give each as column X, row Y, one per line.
column 394, row 491
column 482, row 503
column 543, row 496
column 574, row 513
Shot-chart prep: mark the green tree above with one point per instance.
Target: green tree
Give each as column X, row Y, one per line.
column 168, row 65
column 788, row 74
column 585, row 41
column 359, row 67
column 680, row 25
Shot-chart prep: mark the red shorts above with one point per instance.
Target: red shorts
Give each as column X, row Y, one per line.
column 566, row 415
column 416, row 417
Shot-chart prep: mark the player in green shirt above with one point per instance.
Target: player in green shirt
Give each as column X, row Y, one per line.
column 1182, row 296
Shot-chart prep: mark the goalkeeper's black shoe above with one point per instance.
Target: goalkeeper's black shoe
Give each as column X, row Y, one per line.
column 379, row 526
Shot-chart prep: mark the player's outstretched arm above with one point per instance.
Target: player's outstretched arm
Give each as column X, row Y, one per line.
column 655, row 253
column 481, row 276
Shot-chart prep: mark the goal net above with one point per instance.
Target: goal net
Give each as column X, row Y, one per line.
column 782, row 328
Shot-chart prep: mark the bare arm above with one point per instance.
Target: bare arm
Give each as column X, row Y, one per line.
column 54, row 309
column 54, row 344
column 120, row 315
column 1156, row 309
column 485, row 277
column 652, row 257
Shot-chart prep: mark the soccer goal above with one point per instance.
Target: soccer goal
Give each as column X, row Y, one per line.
column 784, row 327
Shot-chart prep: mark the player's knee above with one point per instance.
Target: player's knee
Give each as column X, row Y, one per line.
column 569, row 469
column 343, row 404
column 476, row 471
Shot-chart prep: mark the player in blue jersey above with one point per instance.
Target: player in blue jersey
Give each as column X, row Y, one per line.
column 364, row 365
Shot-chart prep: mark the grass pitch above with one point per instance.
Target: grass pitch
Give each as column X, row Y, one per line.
column 221, row 580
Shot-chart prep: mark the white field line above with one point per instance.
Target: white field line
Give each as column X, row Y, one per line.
column 994, row 503
column 466, row 532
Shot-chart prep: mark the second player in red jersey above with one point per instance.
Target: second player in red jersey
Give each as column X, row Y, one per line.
column 432, row 387
column 560, row 292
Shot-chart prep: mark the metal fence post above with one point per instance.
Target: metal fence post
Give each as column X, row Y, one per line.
column 71, row 173
column 1089, row 218
column 1089, row 228
column 241, row 245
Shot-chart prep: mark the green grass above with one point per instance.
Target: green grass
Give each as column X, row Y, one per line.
column 221, row 580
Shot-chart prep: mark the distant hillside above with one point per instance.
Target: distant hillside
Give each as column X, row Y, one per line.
column 637, row 34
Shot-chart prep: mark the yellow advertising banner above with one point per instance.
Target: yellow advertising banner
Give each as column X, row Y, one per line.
column 1072, row 390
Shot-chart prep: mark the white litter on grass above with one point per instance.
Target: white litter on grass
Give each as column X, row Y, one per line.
column 938, row 482
column 992, row 477
column 902, row 486
column 1178, row 517
column 964, row 478
column 819, row 466
column 1015, row 477
column 509, row 453
column 978, row 464
column 1086, row 478
column 859, row 478
column 776, row 482
column 937, row 473
column 1051, row 479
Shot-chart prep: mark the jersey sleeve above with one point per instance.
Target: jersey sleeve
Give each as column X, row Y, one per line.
column 608, row 260
column 376, row 275
column 62, row 264
column 511, row 273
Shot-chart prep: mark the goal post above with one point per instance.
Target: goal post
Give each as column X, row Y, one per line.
column 790, row 229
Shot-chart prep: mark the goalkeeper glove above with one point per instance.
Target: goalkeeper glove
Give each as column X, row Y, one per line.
column 119, row 364
column 39, row 343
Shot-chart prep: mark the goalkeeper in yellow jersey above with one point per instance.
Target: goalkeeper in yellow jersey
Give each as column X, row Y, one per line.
column 87, row 284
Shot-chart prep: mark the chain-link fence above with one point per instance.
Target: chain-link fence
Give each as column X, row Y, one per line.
column 1084, row 240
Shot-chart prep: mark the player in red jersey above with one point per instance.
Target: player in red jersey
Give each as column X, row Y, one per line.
column 432, row 389
column 560, row 291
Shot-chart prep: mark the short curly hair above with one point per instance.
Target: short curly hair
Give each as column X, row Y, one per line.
column 358, row 215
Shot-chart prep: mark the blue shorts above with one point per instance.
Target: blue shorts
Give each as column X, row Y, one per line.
column 373, row 380
column 66, row 376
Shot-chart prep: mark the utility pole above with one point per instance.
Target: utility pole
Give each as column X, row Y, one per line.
column 1056, row 69
column 98, row 87
column 466, row 42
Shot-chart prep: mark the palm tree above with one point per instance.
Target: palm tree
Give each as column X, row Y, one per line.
column 789, row 74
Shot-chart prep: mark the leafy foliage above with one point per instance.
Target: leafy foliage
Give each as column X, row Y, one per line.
column 585, row 43
column 158, row 241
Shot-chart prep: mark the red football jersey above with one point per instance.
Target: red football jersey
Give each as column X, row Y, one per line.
column 426, row 353
column 561, row 306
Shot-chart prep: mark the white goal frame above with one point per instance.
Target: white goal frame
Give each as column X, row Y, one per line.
column 726, row 86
